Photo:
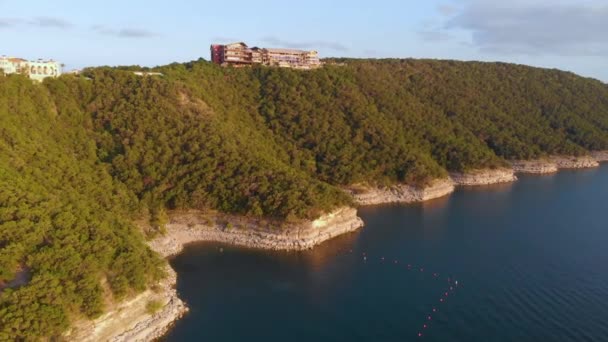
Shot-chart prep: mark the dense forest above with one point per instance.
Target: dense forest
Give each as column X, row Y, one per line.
column 83, row 157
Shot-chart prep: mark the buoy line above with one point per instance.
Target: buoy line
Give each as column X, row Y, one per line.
column 450, row 289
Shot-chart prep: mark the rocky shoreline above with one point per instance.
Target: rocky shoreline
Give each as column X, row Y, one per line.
column 129, row 321
column 539, row 167
column 401, row 193
column 190, row 227
column 555, row 163
column 600, row 156
column 571, row 162
column 484, row 177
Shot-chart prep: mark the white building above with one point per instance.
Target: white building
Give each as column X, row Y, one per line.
column 36, row 70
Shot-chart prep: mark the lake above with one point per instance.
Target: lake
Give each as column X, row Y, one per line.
column 521, row 262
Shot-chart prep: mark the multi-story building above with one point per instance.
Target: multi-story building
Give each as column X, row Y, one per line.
column 239, row 54
column 12, row 65
column 36, row 70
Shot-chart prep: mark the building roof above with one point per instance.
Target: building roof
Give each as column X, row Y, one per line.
column 13, row 59
column 294, row 51
column 237, row 43
column 291, row 51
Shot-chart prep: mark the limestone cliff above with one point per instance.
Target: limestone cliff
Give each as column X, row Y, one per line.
column 600, row 156
column 572, row 162
column 484, row 177
column 131, row 321
column 190, row 226
column 401, row 193
column 541, row 166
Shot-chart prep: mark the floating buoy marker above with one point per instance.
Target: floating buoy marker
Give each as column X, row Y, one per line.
column 453, row 284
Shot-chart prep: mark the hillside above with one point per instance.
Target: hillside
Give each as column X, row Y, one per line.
column 82, row 158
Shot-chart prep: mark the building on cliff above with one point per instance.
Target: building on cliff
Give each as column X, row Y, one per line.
column 239, row 55
column 36, row 70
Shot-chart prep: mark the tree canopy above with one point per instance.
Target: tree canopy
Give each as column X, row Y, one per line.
column 81, row 157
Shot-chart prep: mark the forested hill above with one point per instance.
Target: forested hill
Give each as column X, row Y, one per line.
column 82, row 157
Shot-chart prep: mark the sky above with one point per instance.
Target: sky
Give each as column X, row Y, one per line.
column 565, row 34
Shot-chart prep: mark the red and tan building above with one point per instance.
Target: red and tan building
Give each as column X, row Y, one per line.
column 239, row 54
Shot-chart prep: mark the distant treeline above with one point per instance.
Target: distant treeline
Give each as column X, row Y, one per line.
column 82, row 157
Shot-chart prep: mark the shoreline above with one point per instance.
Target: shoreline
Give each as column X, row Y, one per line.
column 129, row 320
column 192, row 226
column 438, row 188
column 553, row 164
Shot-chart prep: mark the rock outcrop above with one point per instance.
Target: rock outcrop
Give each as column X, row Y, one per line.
column 573, row 162
column 554, row 163
column 541, row 166
column 131, row 321
column 401, row 193
column 600, row 156
column 484, row 177
column 189, row 227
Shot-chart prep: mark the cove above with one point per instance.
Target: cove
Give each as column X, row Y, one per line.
column 530, row 258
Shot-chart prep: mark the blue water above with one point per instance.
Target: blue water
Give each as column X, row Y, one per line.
column 531, row 261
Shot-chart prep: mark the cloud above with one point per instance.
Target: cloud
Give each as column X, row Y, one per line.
column 136, row 33
column 535, row 27
column 125, row 32
column 434, row 35
column 37, row 22
column 9, row 22
column 51, row 22
column 447, row 10
column 305, row 45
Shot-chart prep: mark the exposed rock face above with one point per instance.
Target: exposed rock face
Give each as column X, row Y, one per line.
column 554, row 163
column 600, row 156
column 572, row 162
column 130, row 321
column 542, row 166
column 403, row 193
column 484, row 177
column 189, row 227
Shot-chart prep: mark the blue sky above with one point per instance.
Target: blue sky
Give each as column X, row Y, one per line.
column 565, row 34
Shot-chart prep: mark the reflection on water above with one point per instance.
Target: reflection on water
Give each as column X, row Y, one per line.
column 530, row 258
column 436, row 205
